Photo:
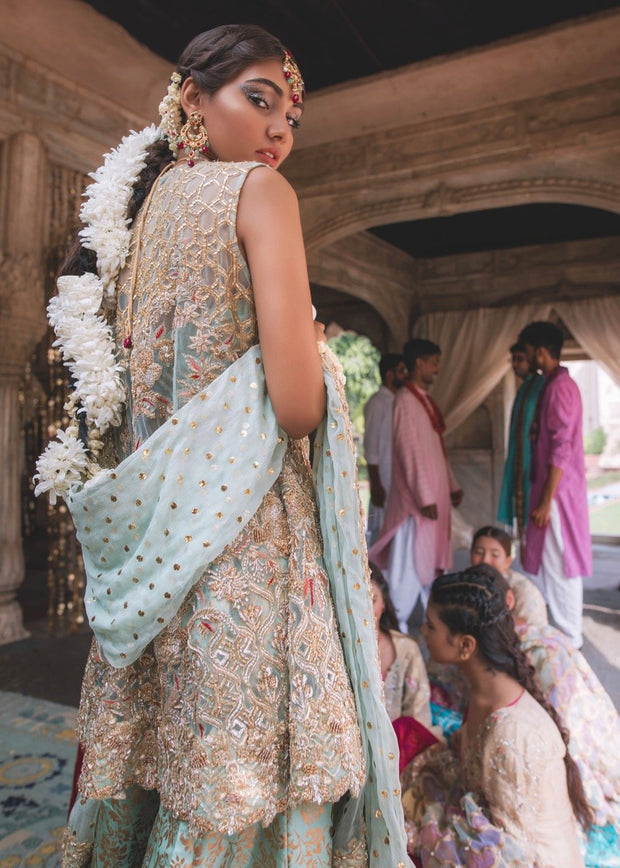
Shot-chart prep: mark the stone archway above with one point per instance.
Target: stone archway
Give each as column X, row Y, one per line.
column 441, row 200
column 531, row 120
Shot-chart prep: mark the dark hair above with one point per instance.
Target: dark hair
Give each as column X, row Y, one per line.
column 211, row 59
column 388, row 619
column 389, row 361
column 543, row 334
column 216, row 56
column 473, row 602
column 519, row 347
column 495, row 533
column 419, row 348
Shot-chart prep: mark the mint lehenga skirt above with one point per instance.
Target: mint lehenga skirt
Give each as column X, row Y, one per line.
column 134, row 832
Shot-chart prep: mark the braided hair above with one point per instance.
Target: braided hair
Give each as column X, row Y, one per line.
column 473, row 602
column 211, row 59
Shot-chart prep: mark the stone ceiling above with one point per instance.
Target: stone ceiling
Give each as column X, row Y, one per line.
column 337, row 41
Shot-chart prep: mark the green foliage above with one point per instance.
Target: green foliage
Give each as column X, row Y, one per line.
column 360, row 362
column 594, row 441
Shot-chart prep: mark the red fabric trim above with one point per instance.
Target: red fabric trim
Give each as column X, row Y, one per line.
column 413, row 737
column 432, row 411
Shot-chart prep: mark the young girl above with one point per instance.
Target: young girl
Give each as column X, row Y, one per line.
column 493, row 546
column 510, row 791
column 231, row 714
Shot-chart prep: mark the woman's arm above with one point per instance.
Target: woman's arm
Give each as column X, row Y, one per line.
column 269, row 230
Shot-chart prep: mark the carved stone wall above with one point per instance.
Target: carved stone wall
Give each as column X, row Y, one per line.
column 559, row 148
column 65, row 98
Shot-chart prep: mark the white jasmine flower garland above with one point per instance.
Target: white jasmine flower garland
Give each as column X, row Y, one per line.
column 62, row 464
column 84, row 337
column 107, row 228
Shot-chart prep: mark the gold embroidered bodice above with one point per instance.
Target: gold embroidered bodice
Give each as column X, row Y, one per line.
column 193, row 307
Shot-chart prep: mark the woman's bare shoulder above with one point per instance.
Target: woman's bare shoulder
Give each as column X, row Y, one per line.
column 263, row 181
column 267, row 200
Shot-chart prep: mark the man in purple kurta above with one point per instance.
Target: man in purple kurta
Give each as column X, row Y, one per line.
column 558, row 547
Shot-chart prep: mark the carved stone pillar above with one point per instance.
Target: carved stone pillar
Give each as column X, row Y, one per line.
column 11, row 551
column 22, row 325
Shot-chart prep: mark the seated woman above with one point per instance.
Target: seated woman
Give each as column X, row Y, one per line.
column 492, row 546
column 405, row 682
column 583, row 706
column 568, row 683
column 508, row 792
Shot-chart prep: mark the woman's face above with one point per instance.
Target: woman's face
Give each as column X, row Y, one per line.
column 378, row 604
column 441, row 644
column 487, row 550
column 253, row 116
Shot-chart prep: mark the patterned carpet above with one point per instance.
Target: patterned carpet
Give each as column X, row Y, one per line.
column 37, row 753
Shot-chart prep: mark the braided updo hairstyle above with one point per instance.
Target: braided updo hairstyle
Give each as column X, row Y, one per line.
column 211, row 59
column 473, row 603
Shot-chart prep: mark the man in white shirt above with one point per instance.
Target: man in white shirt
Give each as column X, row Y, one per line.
column 378, row 439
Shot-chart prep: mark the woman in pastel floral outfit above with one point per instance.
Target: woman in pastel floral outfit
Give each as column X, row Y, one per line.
column 508, row 792
column 231, row 710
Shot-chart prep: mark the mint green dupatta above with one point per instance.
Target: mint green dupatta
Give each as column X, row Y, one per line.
column 344, row 550
column 150, row 528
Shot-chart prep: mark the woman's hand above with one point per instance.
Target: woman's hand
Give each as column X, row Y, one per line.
column 319, row 332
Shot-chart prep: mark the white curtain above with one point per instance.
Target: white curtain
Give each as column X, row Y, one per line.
column 595, row 325
column 474, row 352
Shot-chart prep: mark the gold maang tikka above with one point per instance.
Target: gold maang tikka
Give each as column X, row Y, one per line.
column 293, row 76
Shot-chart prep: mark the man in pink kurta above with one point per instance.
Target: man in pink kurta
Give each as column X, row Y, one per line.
column 414, row 543
column 557, row 547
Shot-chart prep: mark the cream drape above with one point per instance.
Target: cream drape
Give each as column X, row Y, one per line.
column 595, row 325
column 474, row 353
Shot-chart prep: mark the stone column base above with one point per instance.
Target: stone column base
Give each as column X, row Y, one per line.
column 12, row 623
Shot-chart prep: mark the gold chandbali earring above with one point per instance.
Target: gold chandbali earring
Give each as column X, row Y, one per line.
column 193, row 136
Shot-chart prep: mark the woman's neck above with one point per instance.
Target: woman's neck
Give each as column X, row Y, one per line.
column 489, row 689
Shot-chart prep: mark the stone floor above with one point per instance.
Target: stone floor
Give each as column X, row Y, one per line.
column 602, row 619
column 51, row 668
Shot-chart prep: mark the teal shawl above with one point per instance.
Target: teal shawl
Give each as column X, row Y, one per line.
column 515, row 492
column 150, row 527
